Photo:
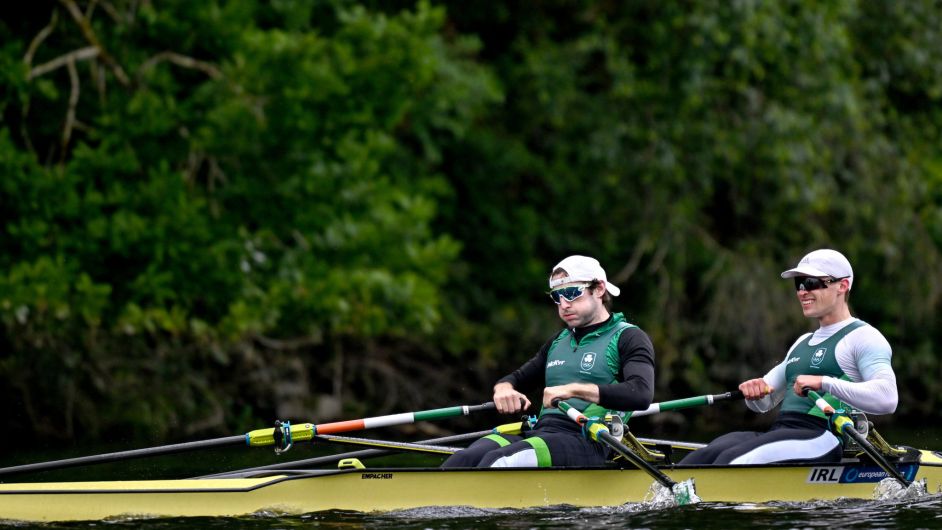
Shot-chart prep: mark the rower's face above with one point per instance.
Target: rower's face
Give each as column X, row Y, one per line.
column 817, row 298
column 578, row 305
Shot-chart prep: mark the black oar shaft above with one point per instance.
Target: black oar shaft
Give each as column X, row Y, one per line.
column 845, row 425
column 124, row 455
column 601, row 433
column 639, row 462
column 875, row 455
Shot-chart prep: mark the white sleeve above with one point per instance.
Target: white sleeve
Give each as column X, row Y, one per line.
column 776, row 380
column 864, row 355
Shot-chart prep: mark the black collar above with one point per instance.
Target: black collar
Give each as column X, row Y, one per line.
column 578, row 333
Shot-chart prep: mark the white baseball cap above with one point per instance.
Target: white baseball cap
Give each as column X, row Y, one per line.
column 582, row 269
column 823, row 263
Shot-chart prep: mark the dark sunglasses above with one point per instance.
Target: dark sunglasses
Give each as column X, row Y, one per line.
column 810, row 283
column 569, row 293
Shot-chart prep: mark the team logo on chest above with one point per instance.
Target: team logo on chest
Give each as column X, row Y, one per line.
column 818, row 357
column 588, row 361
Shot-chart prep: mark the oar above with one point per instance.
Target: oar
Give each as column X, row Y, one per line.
column 510, row 428
column 697, row 401
column 389, row 444
column 282, row 437
column 844, row 425
column 684, row 492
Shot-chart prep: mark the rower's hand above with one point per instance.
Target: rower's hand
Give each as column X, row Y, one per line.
column 812, row 382
column 508, row 400
column 755, row 389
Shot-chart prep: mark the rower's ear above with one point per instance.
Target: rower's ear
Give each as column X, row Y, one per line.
column 843, row 286
column 598, row 288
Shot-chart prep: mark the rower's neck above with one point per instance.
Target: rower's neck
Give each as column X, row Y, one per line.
column 578, row 333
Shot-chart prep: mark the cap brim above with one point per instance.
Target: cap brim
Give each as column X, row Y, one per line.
column 612, row 290
column 805, row 271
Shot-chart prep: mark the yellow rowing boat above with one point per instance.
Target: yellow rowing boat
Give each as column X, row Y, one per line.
column 357, row 488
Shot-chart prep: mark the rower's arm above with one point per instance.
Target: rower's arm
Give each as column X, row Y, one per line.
column 774, row 379
column 635, row 389
column 864, row 355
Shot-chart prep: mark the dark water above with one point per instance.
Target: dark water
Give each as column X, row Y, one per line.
column 921, row 513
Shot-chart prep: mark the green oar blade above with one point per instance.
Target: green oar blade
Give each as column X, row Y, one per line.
column 685, row 493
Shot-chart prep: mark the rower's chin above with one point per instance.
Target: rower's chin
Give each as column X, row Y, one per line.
column 810, row 311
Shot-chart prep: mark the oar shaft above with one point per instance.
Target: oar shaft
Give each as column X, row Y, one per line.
column 124, row 455
column 639, row 462
column 599, row 432
column 685, row 403
column 306, row 431
column 845, row 425
column 389, row 444
column 333, row 459
column 259, row 437
column 399, row 419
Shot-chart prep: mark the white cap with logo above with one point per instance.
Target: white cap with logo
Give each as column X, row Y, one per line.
column 582, row 269
column 823, row 263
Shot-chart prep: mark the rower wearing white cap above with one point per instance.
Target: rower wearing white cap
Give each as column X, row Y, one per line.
column 598, row 363
column 846, row 358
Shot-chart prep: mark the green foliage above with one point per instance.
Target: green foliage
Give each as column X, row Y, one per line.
column 236, row 210
column 264, row 190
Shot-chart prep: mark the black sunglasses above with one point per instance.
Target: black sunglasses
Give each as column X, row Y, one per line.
column 810, row 283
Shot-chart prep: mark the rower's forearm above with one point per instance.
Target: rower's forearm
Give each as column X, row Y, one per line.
column 635, row 394
column 586, row 391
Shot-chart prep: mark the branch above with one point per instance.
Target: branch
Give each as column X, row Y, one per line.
column 63, row 60
column 289, row 344
column 179, row 60
column 629, row 269
column 40, row 37
column 112, row 12
column 92, row 39
column 73, row 102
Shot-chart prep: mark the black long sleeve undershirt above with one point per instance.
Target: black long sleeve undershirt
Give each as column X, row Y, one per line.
column 635, row 387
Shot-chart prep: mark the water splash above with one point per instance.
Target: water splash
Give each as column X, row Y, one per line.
column 681, row 494
column 891, row 489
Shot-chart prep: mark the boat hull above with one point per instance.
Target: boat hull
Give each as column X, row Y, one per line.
column 370, row 490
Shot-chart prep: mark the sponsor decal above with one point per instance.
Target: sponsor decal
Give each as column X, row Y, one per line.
column 818, row 357
column 856, row 474
column 588, row 361
column 557, row 362
column 793, row 360
column 376, row 476
column 825, row 475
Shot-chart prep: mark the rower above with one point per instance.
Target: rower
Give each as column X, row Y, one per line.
column 598, row 363
column 845, row 359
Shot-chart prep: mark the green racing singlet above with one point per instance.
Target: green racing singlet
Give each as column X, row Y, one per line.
column 819, row 359
column 594, row 359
